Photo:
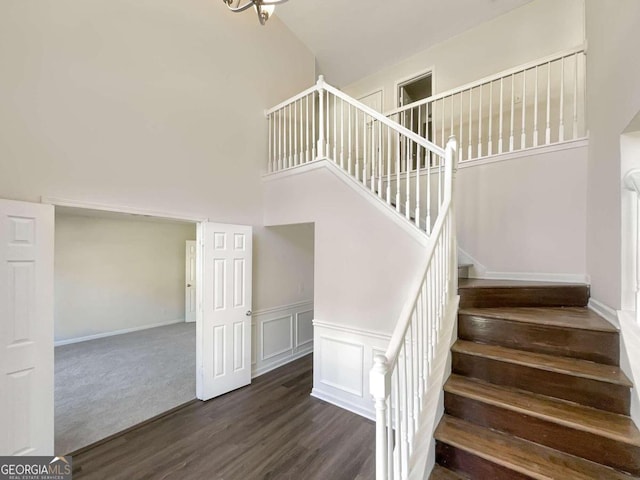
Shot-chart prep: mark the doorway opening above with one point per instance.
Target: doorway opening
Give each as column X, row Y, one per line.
column 419, row 118
column 124, row 321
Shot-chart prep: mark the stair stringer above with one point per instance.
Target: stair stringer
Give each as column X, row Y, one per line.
column 367, row 256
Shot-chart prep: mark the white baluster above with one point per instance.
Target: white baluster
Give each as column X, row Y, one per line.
column 404, row 416
column 389, row 446
column 374, row 160
column 335, row 129
column 357, row 148
column 364, row 149
column 314, row 153
column 380, row 160
column 379, row 388
column 389, row 157
column 280, row 136
column 442, row 123
column 295, row 132
column 490, row 142
column 575, row 98
column 535, row 111
column 470, row 154
column 547, row 133
column 523, row 136
column 561, row 123
column 418, row 188
column 328, row 117
column 428, row 217
column 398, row 424
column 460, row 122
column 407, row 172
column 398, row 168
column 301, row 129
column 270, row 166
column 307, row 151
column 416, row 370
column 321, row 114
column 349, row 141
column 290, row 133
column 513, row 100
column 479, row 123
column 500, row 142
column 341, row 133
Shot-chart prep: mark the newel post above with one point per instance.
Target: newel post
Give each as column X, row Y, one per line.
column 380, row 386
column 321, row 121
column 451, row 159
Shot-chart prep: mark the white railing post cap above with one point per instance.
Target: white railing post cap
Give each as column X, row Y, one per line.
column 320, row 82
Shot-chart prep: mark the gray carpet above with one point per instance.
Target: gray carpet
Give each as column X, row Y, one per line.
column 104, row 386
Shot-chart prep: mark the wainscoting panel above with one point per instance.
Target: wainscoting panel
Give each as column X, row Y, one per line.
column 280, row 335
column 343, row 357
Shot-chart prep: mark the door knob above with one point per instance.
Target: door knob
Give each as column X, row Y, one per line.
column 248, row 314
column 188, row 284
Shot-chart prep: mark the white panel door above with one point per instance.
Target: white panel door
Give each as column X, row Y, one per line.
column 190, row 306
column 225, row 333
column 26, row 328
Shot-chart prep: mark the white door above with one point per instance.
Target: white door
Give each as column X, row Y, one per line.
column 224, row 334
column 26, row 328
column 190, row 307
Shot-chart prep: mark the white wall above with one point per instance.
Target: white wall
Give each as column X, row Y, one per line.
column 155, row 105
column 283, row 263
column 613, row 99
column 364, row 262
column 526, row 217
column 538, row 29
column 116, row 274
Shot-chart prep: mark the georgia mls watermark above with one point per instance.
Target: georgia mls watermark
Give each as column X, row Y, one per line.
column 35, row 468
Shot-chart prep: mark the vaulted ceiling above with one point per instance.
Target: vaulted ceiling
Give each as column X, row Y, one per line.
column 352, row 39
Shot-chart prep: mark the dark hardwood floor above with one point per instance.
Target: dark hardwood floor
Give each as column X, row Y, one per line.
column 272, row 429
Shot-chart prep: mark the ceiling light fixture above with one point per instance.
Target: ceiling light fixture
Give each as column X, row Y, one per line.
column 264, row 8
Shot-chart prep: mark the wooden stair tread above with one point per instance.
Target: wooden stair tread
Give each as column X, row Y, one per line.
column 553, row 363
column 522, row 456
column 441, row 473
column 571, row 317
column 599, row 422
column 490, row 283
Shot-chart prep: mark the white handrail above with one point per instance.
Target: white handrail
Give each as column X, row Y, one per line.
column 490, row 78
column 423, row 142
column 323, row 122
column 400, row 379
column 536, row 104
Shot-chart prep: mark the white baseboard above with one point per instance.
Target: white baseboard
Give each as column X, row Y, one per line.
column 342, row 403
column 280, row 335
column 604, row 311
column 256, row 372
column 535, row 277
column 69, row 341
column 480, row 271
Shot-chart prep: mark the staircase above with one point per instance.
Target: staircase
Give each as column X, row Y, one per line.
column 536, row 390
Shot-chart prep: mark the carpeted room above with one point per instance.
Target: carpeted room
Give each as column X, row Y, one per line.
column 124, row 352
